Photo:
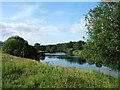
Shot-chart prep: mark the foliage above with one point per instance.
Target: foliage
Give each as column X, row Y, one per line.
column 77, row 52
column 103, row 25
column 78, row 45
column 70, row 44
column 26, row 73
column 42, row 48
column 1, row 43
column 30, row 52
column 39, row 47
column 65, row 47
column 17, row 46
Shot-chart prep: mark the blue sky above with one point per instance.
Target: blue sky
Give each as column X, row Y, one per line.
column 45, row 23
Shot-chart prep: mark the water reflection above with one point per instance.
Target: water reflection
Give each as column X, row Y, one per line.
column 56, row 54
column 98, row 64
column 75, row 61
column 52, row 56
column 70, row 59
column 42, row 57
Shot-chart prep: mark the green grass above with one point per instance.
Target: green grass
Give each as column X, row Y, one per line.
column 77, row 52
column 27, row 73
column 41, row 51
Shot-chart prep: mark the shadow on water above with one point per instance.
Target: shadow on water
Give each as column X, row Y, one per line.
column 40, row 57
column 73, row 59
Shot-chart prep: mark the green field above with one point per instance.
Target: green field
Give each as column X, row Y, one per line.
column 27, row 73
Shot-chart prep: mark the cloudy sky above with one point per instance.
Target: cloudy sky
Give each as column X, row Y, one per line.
column 44, row 23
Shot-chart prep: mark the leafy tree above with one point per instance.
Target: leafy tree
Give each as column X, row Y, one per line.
column 70, row 44
column 13, row 45
column 37, row 46
column 17, row 46
column 53, row 49
column 42, row 48
column 103, row 24
column 30, row 52
column 78, row 45
column 1, row 43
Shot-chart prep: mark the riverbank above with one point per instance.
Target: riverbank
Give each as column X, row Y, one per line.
column 27, row 73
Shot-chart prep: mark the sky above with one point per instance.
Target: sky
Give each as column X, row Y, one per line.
column 44, row 22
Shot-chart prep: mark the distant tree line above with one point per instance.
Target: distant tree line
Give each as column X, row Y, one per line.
column 39, row 47
column 17, row 46
column 65, row 47
column 61, row 47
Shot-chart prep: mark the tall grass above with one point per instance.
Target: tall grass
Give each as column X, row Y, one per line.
column 27, row 73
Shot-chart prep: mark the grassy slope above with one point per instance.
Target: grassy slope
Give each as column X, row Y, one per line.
column 24, row 73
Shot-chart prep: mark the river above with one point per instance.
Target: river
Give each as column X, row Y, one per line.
column 64, row 59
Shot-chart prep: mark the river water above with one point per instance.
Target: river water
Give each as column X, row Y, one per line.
column 74, row 61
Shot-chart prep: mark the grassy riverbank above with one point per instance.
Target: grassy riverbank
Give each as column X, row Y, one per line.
column 27, row 73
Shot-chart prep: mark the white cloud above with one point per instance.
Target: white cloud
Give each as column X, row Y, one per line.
column 14, row 27
column 25, row 11
column 58, row 12
column 29, row 31
column 43, row 11
column 79, row 27
column 23, row 27
column 35, row 21
column 51, row 28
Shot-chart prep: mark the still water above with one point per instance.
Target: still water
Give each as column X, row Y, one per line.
column 60, row 59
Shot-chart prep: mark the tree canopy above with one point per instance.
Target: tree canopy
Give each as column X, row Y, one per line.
column 17, row 46
column 78, row 45
column 1, row 43
column 103, row 24
column 37, row 46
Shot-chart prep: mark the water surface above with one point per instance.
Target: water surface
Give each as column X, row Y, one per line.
column 76, row 62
